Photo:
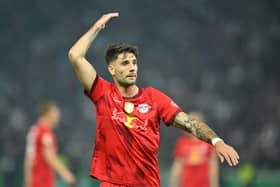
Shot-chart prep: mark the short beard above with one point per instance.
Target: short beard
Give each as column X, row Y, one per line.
column 125, row 84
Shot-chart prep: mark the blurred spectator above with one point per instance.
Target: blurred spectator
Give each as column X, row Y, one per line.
column 195, row 162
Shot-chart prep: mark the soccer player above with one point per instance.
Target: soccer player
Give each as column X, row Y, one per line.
column 128, row 117
column 40, row 158
column 195, row 162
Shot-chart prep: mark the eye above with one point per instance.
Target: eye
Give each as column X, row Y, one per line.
column 134, row 62
column 125, row 62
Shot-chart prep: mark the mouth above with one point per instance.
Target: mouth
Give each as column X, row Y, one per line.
column 132, row 76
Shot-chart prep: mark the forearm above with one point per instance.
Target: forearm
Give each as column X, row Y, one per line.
column 80, row 48
column 198, row 128
column 58, row 167
column 55, row 163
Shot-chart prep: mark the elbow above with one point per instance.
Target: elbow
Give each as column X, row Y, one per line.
column 72, row 56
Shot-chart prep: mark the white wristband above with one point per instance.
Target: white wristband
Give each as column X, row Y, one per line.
column 215, row 140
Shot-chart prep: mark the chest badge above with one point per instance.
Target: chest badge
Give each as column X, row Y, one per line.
column 143, row 108
column 128, row 107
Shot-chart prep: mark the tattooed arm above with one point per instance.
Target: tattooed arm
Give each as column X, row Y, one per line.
column 194, row 126
column 204, row 132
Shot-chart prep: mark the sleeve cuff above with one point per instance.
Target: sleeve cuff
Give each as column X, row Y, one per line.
column 168, row 123
column 89, row 94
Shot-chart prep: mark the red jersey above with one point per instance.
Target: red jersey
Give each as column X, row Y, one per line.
column 195, row 155
column 42, row 174
column 127, row 134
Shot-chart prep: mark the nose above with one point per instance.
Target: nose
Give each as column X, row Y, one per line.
column 132, row 67
column 132, row 70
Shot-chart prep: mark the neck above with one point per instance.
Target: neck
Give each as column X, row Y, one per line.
column 128, row 91
column 44, row 122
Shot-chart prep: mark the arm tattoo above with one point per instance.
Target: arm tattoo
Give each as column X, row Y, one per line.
column 95, row 34
column 194, row 126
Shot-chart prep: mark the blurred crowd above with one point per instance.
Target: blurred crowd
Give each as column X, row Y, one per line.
column 219, row 58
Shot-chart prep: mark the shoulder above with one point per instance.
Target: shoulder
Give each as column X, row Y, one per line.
column 32, row 129
column 183, row 139
column 208, row 147
column 100, row 78
column 100, row 81
column 181, row 144
column 47, row 139
column 46, row 133
column 98, row 88
column 153, row 91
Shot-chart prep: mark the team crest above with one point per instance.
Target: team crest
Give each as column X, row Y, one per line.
column 128, row 107
column 143, row 108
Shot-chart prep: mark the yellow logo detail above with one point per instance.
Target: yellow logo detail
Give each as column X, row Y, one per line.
column 129, row 118
column 195, row 156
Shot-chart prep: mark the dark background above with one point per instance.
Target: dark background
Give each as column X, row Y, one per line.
column 217, row 57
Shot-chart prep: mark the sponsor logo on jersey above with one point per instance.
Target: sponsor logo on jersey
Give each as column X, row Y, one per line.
column 198, row 154
column 129, row 120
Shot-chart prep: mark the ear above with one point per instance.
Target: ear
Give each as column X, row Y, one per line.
column 111, row 69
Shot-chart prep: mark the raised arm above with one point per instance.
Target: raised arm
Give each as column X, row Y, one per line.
column 205, row 133
column 84, row 70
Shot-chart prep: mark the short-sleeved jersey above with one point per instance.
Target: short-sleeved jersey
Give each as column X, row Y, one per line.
column 42, row 174
column 127, row 134
column 196, row 155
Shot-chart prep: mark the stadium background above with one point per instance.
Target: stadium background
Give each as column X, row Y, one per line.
column 219, row 57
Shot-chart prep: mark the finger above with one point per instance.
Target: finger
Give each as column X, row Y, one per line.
column 110, row 16
column 113, row 14
column 221, row 158
column 234, row 160
column 228, row 159
column 237, row 156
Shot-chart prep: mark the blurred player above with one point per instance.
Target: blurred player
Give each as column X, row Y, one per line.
column 195, row 163
column 128, row 117
column 41, row 160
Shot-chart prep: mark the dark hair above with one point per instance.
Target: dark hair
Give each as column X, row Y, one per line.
column 45, row 107
column 114, row 50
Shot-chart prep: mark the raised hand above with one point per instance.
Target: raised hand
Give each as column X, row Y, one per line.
column 101, row 22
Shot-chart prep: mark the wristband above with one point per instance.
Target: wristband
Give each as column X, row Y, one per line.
column 215, row 140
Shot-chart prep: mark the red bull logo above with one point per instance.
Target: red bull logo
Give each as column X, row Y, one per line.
column 129, row 120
